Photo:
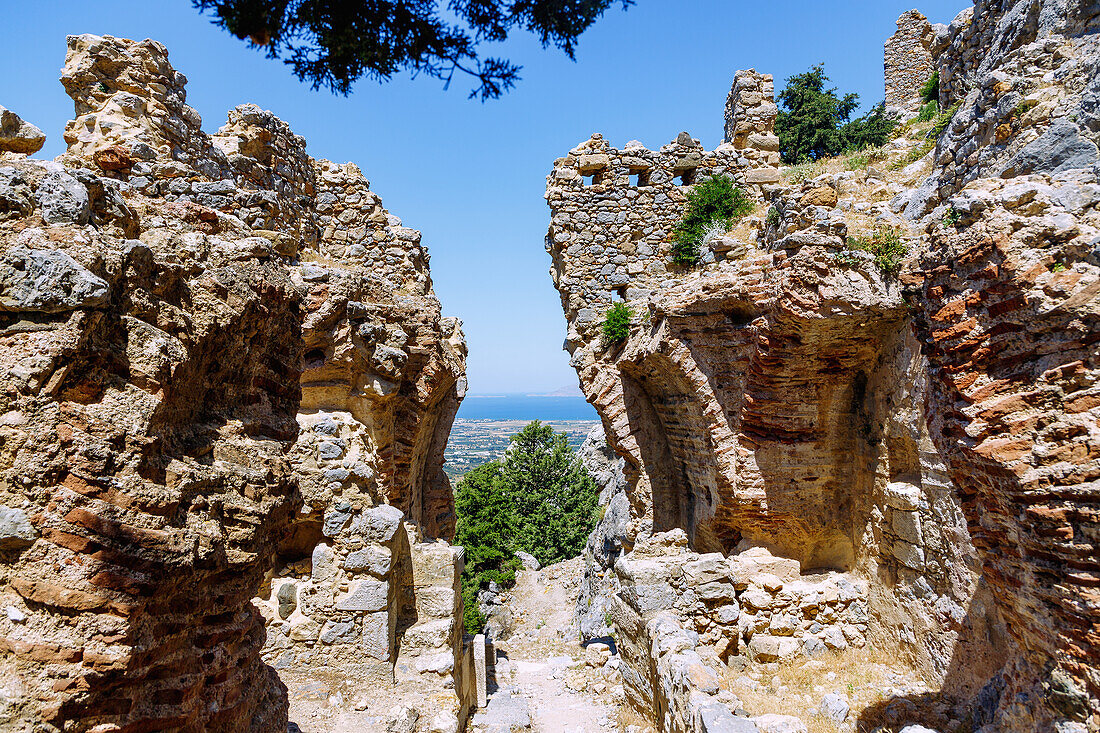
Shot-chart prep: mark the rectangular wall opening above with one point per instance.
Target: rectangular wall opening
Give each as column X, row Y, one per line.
column 594, row 178
column 686, row 177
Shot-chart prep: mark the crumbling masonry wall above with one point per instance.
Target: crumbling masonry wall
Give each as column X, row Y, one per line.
column 771, row 400
column 225, row 366
column 908, row 63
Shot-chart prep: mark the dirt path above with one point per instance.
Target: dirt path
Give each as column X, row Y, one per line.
column 543, row 678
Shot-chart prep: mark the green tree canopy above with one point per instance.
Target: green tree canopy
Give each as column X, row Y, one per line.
column 814, row 122
column 553, row 498
column 485, row 529
column 538, row 499
column 332, row 43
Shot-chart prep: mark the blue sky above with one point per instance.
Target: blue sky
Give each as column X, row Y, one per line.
column 469, row 175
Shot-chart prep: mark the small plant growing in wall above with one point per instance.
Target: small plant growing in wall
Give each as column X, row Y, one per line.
column 885, row 244
column 713, row 201
column 930, row 90
column 772, row 219
column 616, row 324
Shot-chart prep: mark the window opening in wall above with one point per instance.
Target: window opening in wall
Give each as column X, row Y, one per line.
column 594, row 178
column 618, row 294
column 686, row 177
column 639, row 178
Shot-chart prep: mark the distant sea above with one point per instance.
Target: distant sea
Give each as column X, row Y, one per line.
column 525, row 407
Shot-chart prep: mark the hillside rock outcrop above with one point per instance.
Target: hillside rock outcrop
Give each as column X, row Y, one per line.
column 222, row 357
column 925, row 439
column 605, row 544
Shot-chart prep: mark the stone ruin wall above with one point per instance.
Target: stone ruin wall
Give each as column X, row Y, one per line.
column 933, row 437
column 227, row 375
column 613, row 211
column 908, row 63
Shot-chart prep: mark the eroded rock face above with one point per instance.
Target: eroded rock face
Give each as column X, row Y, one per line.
column 606, row 543
column 1024, row 77
column 931, row 434
column 214, row 345
column 150, row 388
column 1010, row 328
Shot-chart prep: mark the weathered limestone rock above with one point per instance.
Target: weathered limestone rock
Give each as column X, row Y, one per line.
column 17, row 135
column 220, row 354
column 1023, row 76
column 605, row 544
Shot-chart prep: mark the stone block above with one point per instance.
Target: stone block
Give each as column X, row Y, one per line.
column 834, row 638
column 902, row 496
column 706, row 569
column 376, row 641
column 337, row 631
column 908, row 555
column 302, row 627
column 377, row 525
column 728, row 614
column 762, row 176
column 16, row 530
column 835, row 707
column 438, row 663
column 648, row 598
column 767, row 648
column 757, row 598
column 775, row 723
column 907, row 526
column 717, row 591
column 642, row 572
column 593, row 163
column 324, row 564
column 47, row 281
column 365, row 596
column 63, row 199
column 763, row 141
column 436, row 601
column 429, row 634
column 700, row 676
column 479, row 669
column 757, row 560
column 714, row 717
column 435, row 564
column 336, row 518
column 375, row 561
column 782, row 624
column 286, row 596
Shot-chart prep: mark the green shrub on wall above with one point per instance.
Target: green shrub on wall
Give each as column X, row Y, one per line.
column 616, row 324
column 712, row 200
column 885, row 244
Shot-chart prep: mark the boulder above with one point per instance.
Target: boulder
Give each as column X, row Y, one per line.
column 63, row 199
column 716, row 718
column 47, row 281
column 835, row 707
column 17, row 135
column 530, row 562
